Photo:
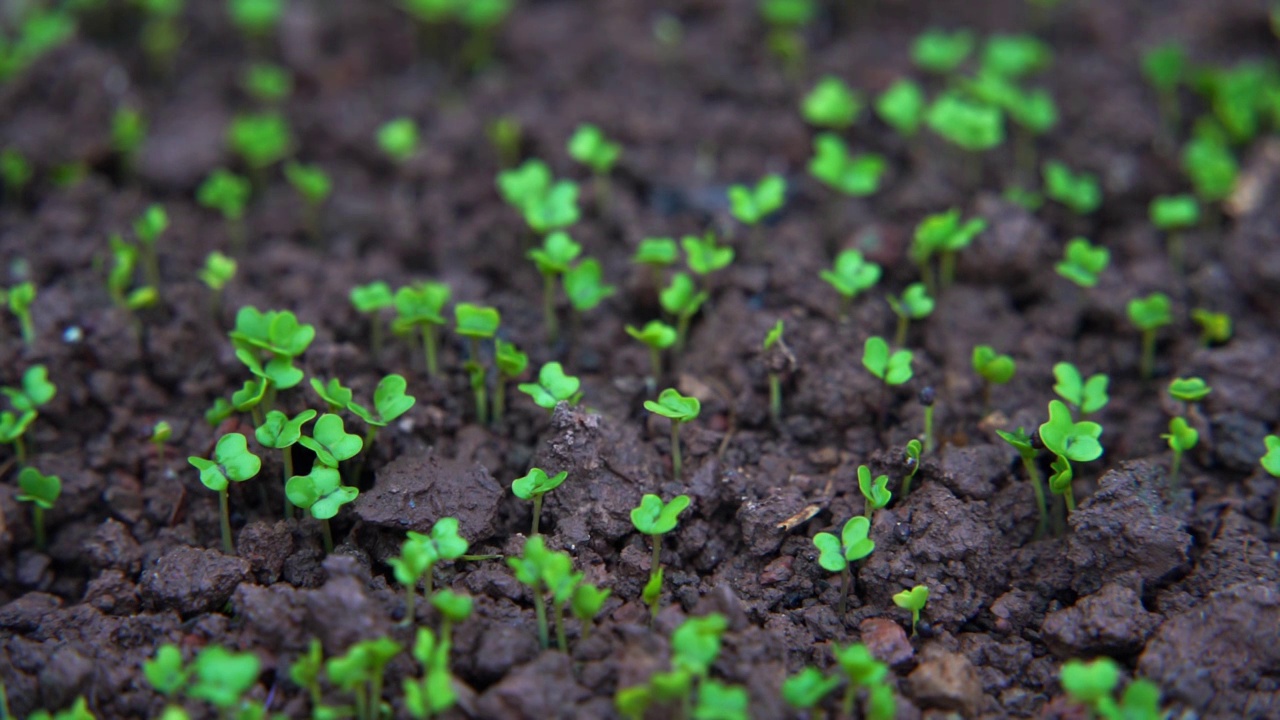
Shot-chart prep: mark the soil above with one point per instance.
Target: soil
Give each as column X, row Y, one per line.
column 1179, row 586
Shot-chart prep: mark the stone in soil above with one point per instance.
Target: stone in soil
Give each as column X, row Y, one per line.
column 192, row 580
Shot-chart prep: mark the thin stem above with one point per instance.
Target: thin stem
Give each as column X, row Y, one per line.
column 947, row 268
column 682, row 330
column 928, row 429
column 930, row 280
column 656, row 562
column 429, row 581
column 655, row 362
column 151, row 265
column 549, row 306
column 558, row 613
column 20, row 449
column 226, row 522
column 675, row 450
column 537, row 513
column 287, row 451
column 1177, row 253
column 540, row 607
column 429, row 345
column 410, row 603
column 1148, row 353
column 906, row 482
column 499, row 400
column 28, row 328
column 1037, row 487
column 375, row 696
column 37, row 523
column 846, row 704
column 1173, row 470
column 846, row 578
column 482, row 403
column 900, row 336
column 1070, row 498
column 775, row 398
column 328, row 537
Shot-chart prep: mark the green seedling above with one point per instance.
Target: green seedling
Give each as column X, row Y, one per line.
column 261, row 140
column 1093, row 685
column 321, row 492
column 786, row 20
column 35, row 392
column 42, row 491
column 831, row 104
column 280, row 432
column 1165, row 68
column 1015, row 56
column 1033, row 112
column 861, row 671
column 968, row 124
column 533, row 486
column 914, row 451
column 1026, row 448
column 444, row 543
column 313, row 185
column 1149, row 314
column 417, row 555
column 902, row 106
column 454, row 609
column 655, row 518
column 148, row 227
column 334, row 394
column 1189, row 390
column 656, row 253
column 682, row 299
column 166, row 672
column 915, row 303
column 389, row 402
column 15, row 171
column 539, row 568
column 330, row 441
column 1211, row 166
column 943, row 234
column 913, row 600
column 79, row 710
column 256, row 18
column 657, row 336
column 585, row 604
column 590, row 147
column 267, row 83
column 559, row 579
column 274, row 332
column 585, row 287
column 851, row 275
column 1181, row 438
column 506, row 134
column 778, row 359
column 751, row 205
column 1270, row 462
column 218, row 271
column 1087, row 396
column 892, row 369
column 511, row 364
column 372, row 299
column 433, row 694
column 994, row 368
column 422, row 307
column 360, row 671
column 1080, row 192
column 874, row 492
column 1070, row 441
column 228, row 194
column 305, row 672
column 161, row 433
column 553, row 387
column 476, row 323
column 836, row 554
column 553, row 259
column 680, row 409
column 1083, row 262
column 279, row 373
column 704, row 255
column 717, row 701
column 546, row 204
column 222, row 678
column 852, row 175
column 1173, row 215
column 232, row 462
column 1215, row 327
column 398, row 139
column 808, row 688
column 20, row 298
column 128, row 132
column 942, row 52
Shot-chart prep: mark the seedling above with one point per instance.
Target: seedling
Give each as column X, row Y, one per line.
column 330, row 441
column 20, row 298
column 655, row 518
column 1270, row 462
column 256, row 18
column 322, row 493
column 360, row 671
column 232, row 462
column 704, row 255
column 943, row 234
column 222, row 678
column 417, row 555
column 531, row 570
column 1083, row 262
column 511, row 364
column 851, row 175
column 750, row 206
column 927, row 399
column 682, row 299
column 1215, row 328
column 808, row 688
column 267, row 83
column 1174, row 214
column 281, row 432
column 1189, row 390
column 161, row 433
column 1015, row 56
column 995, row 369
column 851, row 274
column 913, row 600
column 914, row 452
column 680, row 409
column 942, row 52
column 861, row 670
column 476, row 323
column 657, row 336
column 1093, row 685
column 398, row 139
column 778, row 358
column 422, row 306
column 831, row 104
column 902, row 106
column 128, row 131
column 276, row 332
column 1071, row 441
column 559, row 579
column 1210, row 165
column 892, row 369
column 312, row 183
column 333, row 393
column 433, row 694
column 227, row 193
column 389, row 402
column 148, row 228
column 786, row 19
column 874, row 492
column 1181, row 438
column 165, row 671
column 553, row 259
column 454, row 608
column 546, row 205
column 585, row 287
column 967, row 124
column 1149, row 314
column 1026, row 447
column 218, row 271
column 836, row 554
column 506, row 135
column 444, row 543
column 585, row 604
column 35, row 391
column 915, row 303
column 1087, row 396
column 42, row 491
column 1165, row 67
column 261, row 140
column 372, row 299
column 533, row 486
column 1080, row 192
column 592, row 148
column 656, row 253
column 553, row 387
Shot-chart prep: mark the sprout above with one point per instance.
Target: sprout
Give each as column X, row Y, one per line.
column 586, row 602
column 1093, row 685
column 940, row 51
column 902, row 107
column 260, row 140
column 657, row 336
column 835, row 167
column 680, row 409
column 42, row 491
column 1025, row 445
column 1181, row 437
column 331, row 442
column 322, row 493
column 1015, row 56
column 371, row 299
column 128, row 131
column 165, row 672
column 682, row 299
column 434, row 693
column 585, row 287
column 1149, row 314
column 861, row 670
column 227, row 193
column 398, row 139
column 267, row 83
column 750, row 206
column 218, row 270
column 1069, row 441
column 546, row 205
column 221, row 677
column 892, row 369
column 781, row 359
column 968, row 124
column 1080, row 192
column 874, row 492
column 655, row 518
column 995, row 369
column 592, row 148
column 511, row 364
column 422, row 306
column 333, row 393
column 943, row 234
column 1211, row 166
column 914, row 304
column 704, row 255
column 786, row 19
column 913, row 600
column 533, row 486
column 656, row 252
column 161, row 433
column 1083, row 262
column 148, row 228
column 1271, row 463
column 553, row 259
column 1088, row 396
column 232, row 462
column 454, row 608
column 256, row 18
column 360, row 671
column 553, row 387
column 475, row 322
column 544, row 571
column 831, row 104
column 835, row 554
column 281, row 432
column 1189, row 390
column 851, row 275
column 914, row 451
column 505, row 133
column 419, row 555
column 20, row 297
column 1215, row 328
column 311, row 183
column 389, row 402
column 1165, row 67
column 807, row 689
column 1174, row 214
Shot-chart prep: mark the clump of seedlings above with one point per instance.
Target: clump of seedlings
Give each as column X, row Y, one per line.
column 217, row 676
column 1083, row 262
column 655, row 518
column 913, row 600
column 915, row 303
column 533, row 486
column 680, row 409
column 42, row 491
column 232, row 462
column 836, row 554
column 553, row 387
column 851, row 275
column 1093, row 685
column 1149, row 314
column 944, row 235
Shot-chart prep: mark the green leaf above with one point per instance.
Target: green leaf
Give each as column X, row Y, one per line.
column 587, row 601
column 320, row 491
column 831, row 104
column 1076, row 441
column 226, row 192
column 398, row 139
column 589, row 146
column 553, row 387
column 655, row 334
column 450, row 544
column 751, row 206
column 1189, row 389
column 876, row 492
column 557, row 253
column 940, row 51
column 232, row 461
column 223, row 677
column 335, row 395
column 704, row 255
column 696, row 643
column 510, row 361
column 1080, row 192
column 585, row 287
column 331, row 442
column 657, row 252
column 1181, row 436
column 165, row 672
column 1174, row 212
column 968, row 124
column 992, row 366
column 476, row 321
column 653, row 517
column 455, row 607
column 836, row 167
column 1083, row 262
column 1090, row 682
column 372, row 297
column 858, row 664
column 852, row 274
column 913, row 599
column 893, row 369
column 671, row 404
column 915, row 303
column 1088, row 396
column 537, row 483
column 389, row 400
column 902, row 106
column 37, row 488
column 830, row 554
column 419, row 305
column 261, row 140
column 310, row 181
column 278, row 431
column 1150, row 312
column 806, row 689
column 681, row 298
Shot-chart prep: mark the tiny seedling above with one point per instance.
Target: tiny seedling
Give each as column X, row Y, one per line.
column 454, row 608
column 260, row 140
column 704, row 255
column 786, row 20
column 1149, row 314
column 165, row 672
column 280, row 432
column 390, row 401
column 506, row 134
column 433, row 694
column 1215, row 327
column 1015, row 56
column 655, row 518
column 417, row 555
column 228, row 194
column 913, row 600
column 1270, row 462
column 42, row 491
column 161, row 433
column 915, row 303
column 422, row 307
column 1087, row 396
column 553, row 259
column 836, row 554
column 1026, row 447
column 1165, row 68
column 444, row 543
column 276, row 332
column 928, row 398
column 148, row 227
column 1189, row 390
column 313, row 185
column 837, row 168
column 19, row 298
column 553, row 387
column 530, row 570
column 322, row 493
column 682, row 299
column 861, row 671
column 807, row 689
column 585, row 287
column 657, row 336
column 590, row 147
column 1211, row 166
column 1080, row 192
column 36, row 390
column 778, row 359
column 128, row 132
column 330, row 441
column 1181, row 438
column 533, row 486
column 831, row 104
column 751, row 205
column 360, row 671
column 680, row 409
column 267, row 83
column 851, row 274
column 994, row 368
column 892, row 369
column 333, row 393
column 1093, row 685
column 256, row 18
column 585, row 604
column 914, row 451
column 1173, row 215
column 218, row 271
column 232, row 462
column 874, row 492
column 398, row 139
column 15, row 171
column 1083, row 262
column 943, row 234
column 1070, row 441
column 511, row 363
column 968, row 124
column 942, row 52
column 222, row 678
column 902, row 106
column 656, row 253
column 372, row 299
column 476, row 323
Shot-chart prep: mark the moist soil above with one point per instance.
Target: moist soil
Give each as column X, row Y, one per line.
column 1178, row 584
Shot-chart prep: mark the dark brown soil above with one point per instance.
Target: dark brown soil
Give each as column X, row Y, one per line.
column 1181, row 588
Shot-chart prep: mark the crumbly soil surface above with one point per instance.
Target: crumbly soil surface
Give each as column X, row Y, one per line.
column 1178, row 585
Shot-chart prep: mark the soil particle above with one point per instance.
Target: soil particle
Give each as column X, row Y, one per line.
column 113, row 593
column 974, row 472
column 420, row 487
column 113, row 547
column 1232, row 555
column 544, row 688
column 759, row 521
column 277, row 613
column 266, row 546
column 490, row 649
column 64, row 677
column 192, row 580
column 345, row 595
column 946, row 681
column 887, row 641
column 28, row 612
column 1110, row 622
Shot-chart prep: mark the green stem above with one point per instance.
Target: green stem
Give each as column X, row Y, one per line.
column 1173, row 470
column 928, row 430
column 410, row 603
column 930, row 280
column 328, row 537
column 151, row 265
column 947, row 268
column 28, row 328
column 775, row 398
column 1177, row 253
column 429, row 345
column 499, row 400
column 20, row 449
column 900, row 336
column 846, row 704
column 37, row 523
column 537, row 514
column 682, row 330
column 1148, row 353
column 226, row 522
column 846, row 579
column 429, row 581
column 1037, row 487
column 482, row 403
column 655, row 362
column 675, row 450
column 540, row 607
column 549, row 306
column 1070, row 498
column 375, row 695
column 906, row 483
column 656, row 562
column 287, row 451
column 558, row 613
